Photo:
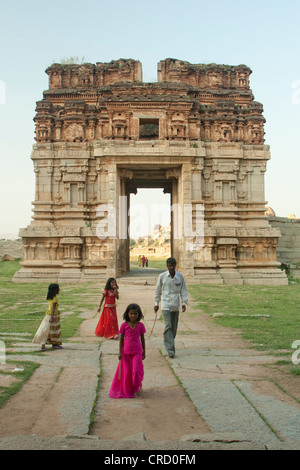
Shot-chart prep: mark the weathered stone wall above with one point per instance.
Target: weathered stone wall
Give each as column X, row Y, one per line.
column 11, row 249
column 198, row 133
column 288, row 250
column 109, row 101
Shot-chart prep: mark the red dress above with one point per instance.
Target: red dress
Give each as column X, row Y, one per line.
column 108, row 324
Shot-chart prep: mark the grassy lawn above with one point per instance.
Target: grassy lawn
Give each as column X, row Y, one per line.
column 26, row 369
column 274, row 334
column 23, row 306
column 279, row 306
column 157, row 263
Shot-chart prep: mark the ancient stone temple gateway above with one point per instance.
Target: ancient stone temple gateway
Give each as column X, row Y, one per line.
column 101, row 133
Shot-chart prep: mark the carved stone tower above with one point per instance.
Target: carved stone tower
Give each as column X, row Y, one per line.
column 101, row 133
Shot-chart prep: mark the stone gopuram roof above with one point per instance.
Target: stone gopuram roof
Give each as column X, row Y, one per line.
column 105, row 100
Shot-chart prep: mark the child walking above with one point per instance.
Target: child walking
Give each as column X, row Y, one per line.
column 130, row 371
column 49, row 330
column 107, row 326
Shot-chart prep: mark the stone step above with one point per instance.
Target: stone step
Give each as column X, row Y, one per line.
column 264, row 277
column 206, row 276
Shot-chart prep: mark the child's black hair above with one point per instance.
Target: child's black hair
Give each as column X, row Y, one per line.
column 133, row 307
column 52, row 291
column 107, row 285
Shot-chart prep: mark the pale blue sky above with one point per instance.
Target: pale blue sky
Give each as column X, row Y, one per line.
column 262, row 34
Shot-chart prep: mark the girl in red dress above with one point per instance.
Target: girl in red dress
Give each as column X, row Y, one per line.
column 108, row 324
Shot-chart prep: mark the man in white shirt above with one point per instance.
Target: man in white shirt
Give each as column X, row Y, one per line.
column 170, row 286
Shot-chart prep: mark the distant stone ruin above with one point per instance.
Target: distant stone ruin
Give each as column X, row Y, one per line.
column 156, row 245
column 288, row 251
column 197, row 133
column 11, row 250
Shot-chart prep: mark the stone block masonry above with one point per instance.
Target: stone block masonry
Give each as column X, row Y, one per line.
column 288, row 251
column 102, row 133
column 11, row 249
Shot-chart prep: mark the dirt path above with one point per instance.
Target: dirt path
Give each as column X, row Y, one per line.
column 235, row 394
column 162, row 411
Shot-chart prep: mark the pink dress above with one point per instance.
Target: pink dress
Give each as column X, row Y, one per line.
column 130, row 371
column 107, row 326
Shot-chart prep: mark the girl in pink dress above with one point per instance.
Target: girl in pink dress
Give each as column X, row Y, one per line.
column 107, row 326
column 130, row 371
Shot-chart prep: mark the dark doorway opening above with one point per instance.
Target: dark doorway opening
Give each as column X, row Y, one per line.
column 149, row 129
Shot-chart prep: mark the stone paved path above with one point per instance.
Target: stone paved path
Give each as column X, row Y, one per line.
column 216, row 393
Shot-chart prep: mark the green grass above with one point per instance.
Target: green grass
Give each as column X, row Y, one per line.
column 158, row 263
column 22, row 376
column 23, row 306
column 274, row 334
column 295, row 370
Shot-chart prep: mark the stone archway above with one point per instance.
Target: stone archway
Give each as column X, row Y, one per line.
column 101, row 132
column 130, row 180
